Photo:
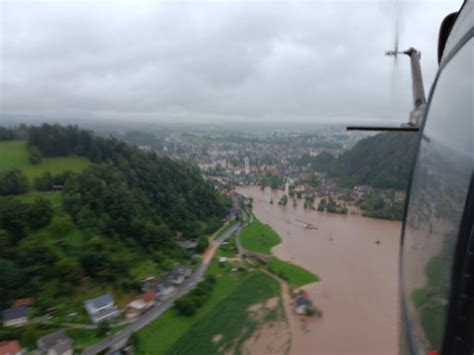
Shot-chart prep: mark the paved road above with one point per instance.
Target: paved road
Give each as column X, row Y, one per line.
column 159, row 309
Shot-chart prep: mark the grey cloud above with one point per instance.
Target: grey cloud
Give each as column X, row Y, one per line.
column 245, row 60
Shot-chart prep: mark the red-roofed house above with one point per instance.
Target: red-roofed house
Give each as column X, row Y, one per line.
column 10, row 347
column 149, row 297
column 22, row 302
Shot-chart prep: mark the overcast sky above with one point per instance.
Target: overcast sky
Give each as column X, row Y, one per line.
column 214, row 61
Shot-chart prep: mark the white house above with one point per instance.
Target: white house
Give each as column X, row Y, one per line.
column 15, row 317
column 135, row 308
column 101, row 309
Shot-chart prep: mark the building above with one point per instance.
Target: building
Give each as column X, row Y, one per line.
column 135, row 308
column 302, row 304
column 359, row 191
column 184, row 270
column 188, row 244
column 149, row 297
column 150, row 282
column 22, row 302
column 11, row 347
column 57, row 343
column 179, row 274
column 15, row 317
column 101, row 308
column 164, row 289
column 175, row 278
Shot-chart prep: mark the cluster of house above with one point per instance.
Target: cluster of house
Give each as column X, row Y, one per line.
column 359, row 191
column 155, row 290
column 57, row 343
column 99, row 309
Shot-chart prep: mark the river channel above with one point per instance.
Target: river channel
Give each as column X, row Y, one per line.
column 357, row 260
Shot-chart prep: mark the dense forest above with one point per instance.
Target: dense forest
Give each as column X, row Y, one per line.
column 129, row 205
column 382, row 161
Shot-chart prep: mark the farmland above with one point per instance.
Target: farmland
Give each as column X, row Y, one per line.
column 233, row 293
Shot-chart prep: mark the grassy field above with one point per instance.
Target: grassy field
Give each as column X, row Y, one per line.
column 56, row 198
column 259, row 237
column 294, row 274
column 13, row 154
column 431, row 301
column 230, row 319
column 233, row 293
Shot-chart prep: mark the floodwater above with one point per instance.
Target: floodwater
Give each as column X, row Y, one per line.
column 358, row 293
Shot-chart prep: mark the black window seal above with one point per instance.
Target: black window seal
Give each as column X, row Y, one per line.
column 459, row 330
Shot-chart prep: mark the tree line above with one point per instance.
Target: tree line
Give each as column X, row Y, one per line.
column 382, row 161
column 128, row 206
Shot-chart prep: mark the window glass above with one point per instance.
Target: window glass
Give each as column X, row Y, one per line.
column 438, row 195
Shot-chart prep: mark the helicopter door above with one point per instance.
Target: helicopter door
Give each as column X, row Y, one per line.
column 436, row 206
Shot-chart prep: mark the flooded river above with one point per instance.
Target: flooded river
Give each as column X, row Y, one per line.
column 358, row 292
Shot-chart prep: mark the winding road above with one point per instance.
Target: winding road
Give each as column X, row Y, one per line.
column 119, row 339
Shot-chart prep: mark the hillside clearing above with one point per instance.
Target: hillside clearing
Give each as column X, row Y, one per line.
column 14, row 154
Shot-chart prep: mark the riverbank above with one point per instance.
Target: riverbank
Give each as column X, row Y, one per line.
column 261, row 238
column 356, row 258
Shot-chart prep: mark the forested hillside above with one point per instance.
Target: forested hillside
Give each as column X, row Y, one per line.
column 383, row 161
column 102, row 226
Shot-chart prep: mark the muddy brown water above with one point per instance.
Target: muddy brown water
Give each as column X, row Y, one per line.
column 358, row 292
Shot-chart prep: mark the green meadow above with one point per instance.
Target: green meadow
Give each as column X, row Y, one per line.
column 262, row 238
column 294, row 274
column 259, row 237
column 14, row 154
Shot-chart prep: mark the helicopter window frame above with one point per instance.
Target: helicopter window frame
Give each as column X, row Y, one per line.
column 407, row 326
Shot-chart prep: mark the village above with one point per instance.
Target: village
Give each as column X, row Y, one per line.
column 104, row 315
column 285, row 161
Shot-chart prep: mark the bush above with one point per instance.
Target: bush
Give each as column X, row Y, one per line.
column 103, row 329
column 35, row 156
column 13, row 182
column 189, row 304
column 40, row 213
column 186, row 306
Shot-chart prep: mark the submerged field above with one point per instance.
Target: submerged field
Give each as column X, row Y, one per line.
column 14, row 154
